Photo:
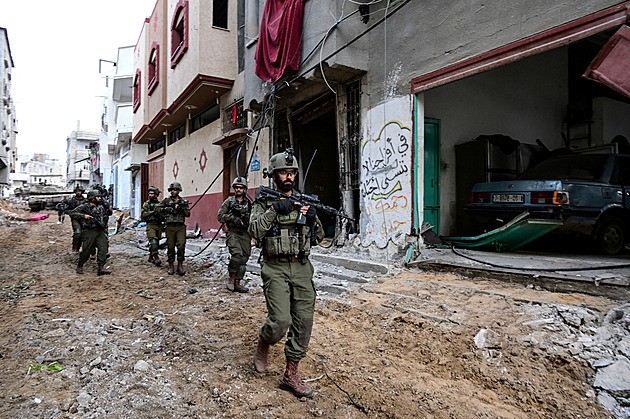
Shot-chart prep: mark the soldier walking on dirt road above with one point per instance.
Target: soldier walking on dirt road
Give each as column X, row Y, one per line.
column 70, row 205
column 93, row 216
column 155, row 224
column 175, row 210
column 234, row 213
column 286, row 271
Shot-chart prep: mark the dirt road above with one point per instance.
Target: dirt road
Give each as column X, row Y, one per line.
column 141, row 343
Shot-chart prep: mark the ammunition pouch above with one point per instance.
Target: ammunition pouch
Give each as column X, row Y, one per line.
column 286, row 242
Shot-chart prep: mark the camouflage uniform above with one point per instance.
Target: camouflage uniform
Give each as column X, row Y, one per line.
column 287, row 276
column 175, row 226
column 70, row 205
column 155, row 225
column 94, row 235
column 238, row 240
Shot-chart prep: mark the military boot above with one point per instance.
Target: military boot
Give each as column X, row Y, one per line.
column 291, row 382
column 157, row 260
column 151, row 259
column 102, row 271
column 238, row 287
column 180, row 269
column 260, row 356
column 230, row 281
column 79, row 268
column 171, row 268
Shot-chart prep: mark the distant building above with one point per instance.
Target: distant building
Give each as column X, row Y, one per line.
column 8, row 122
column 81, row 157
column 40, row 169
column 119, row 157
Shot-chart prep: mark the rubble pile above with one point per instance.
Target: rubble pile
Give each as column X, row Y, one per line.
column 600, row 339
column 12, row 212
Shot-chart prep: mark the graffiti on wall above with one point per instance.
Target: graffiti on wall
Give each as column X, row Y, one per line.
column 386, row 185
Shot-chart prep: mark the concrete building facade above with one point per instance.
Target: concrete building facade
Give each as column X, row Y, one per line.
column 8, row 121
column 387, row 93
column 187, row 102
column 81, row 157
column 120, row 157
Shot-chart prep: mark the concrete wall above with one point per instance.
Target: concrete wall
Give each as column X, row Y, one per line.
column 386, row 167
column 211, row 51
column 611, row 118
column 426, row 36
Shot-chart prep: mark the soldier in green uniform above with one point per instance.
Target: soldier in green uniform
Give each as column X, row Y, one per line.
column 155, row 224
column 70, row 205
column 93, row 216
column 286, row 271
column 234, row 213
column 175, row 210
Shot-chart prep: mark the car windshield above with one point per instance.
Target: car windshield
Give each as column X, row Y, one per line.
column 580, row 167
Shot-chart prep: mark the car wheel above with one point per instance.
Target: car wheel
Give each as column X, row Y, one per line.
column 610, row 235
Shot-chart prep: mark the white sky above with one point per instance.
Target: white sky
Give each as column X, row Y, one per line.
column 56, row 47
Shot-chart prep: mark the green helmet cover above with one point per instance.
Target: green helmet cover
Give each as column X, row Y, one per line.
column 239, row 181
column 284, row 160
column 175, row 185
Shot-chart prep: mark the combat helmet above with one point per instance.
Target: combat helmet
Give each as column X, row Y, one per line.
column 175, row 186
column 285, row 160
column 93, row 194
column 154, row 189
column 239, row 180
column 79, row 188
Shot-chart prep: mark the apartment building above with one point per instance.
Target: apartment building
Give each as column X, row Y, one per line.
column 378, row 97
column 187, row 102
column 8, row 121
column 81, row 157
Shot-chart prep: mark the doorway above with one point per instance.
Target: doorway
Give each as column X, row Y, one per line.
column 432, row 173
column 315, row 134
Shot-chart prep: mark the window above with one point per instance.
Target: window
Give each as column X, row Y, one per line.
column 204, row 118
column 220, row 14
column 177, row 134
column 179, row 32
column 234, row 116
column 154, row 67
column 157, row 145
column 136, row 90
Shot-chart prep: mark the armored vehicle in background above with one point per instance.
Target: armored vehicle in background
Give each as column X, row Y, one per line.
column 41, row 197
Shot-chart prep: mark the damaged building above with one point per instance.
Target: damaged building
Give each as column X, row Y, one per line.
column 392, row 107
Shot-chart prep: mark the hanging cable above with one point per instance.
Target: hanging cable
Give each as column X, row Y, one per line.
column 496, row 265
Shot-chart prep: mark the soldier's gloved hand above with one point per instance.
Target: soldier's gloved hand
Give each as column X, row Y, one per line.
column 236, row 220
column 283, row 206
column 310, row 215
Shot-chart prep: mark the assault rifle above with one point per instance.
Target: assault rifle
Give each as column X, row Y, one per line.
column 94, row 219
column 243, row 217
column 176, row 205
column 302, row 200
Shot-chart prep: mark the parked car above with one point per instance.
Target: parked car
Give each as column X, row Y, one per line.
column 590, row 193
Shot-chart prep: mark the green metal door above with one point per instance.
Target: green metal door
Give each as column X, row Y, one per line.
column 432, row 173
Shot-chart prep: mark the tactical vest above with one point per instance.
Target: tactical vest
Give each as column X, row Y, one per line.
column 170, row 217
column 153, row 218
column 242, row 210
column 286, row 237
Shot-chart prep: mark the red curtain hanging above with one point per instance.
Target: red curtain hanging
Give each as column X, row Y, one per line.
column 280, row 39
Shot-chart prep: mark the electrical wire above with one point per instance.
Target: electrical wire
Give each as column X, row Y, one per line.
column 323, row 362
column 497, row 265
